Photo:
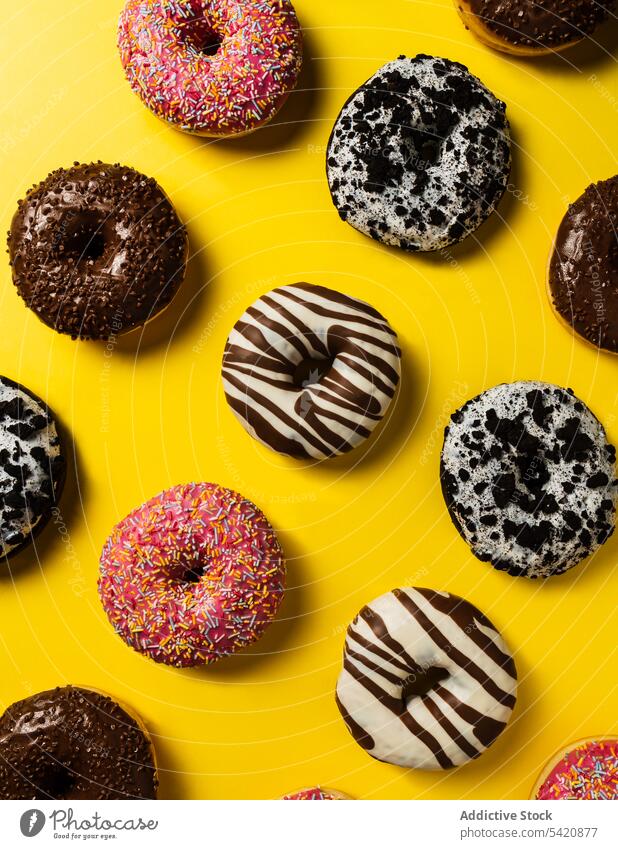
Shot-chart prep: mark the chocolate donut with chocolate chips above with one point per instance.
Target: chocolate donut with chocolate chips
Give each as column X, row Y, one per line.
column 97, row 250
column 73, row 743
column 529, row 478
column 420, row 154
column 32, row 466
column 528, row 28
column 583, row 270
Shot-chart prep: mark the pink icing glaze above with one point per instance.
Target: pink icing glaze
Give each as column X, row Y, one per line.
column 588, row 771
column 213, row 67
column 312, row 794
column 194, row 574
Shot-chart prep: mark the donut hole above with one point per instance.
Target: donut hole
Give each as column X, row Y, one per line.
column 422, row 681
column 311, row 370
column 194, row 572
column 423, row 144
column 199, row 34
column 61, row 781
column 81, row 237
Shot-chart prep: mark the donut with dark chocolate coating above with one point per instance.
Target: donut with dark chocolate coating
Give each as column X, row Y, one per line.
column 96, row 250
column 583, row 270
column 74, row 743
column 529, row 28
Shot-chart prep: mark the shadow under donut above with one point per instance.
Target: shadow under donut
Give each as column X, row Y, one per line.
column 590, row 54
column 502, row 218
column 181, row 316
column 277, row 639
column 391, row 434
column 295, row 116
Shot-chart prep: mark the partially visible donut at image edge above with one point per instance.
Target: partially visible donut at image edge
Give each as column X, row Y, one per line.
column 96, row 250
column 583, row 269
column 586, row 769
column 75, row 743
column 310, row 372
column 193, row 575
column 427, row 681
column 529, row 28
column 420, row 154
column 32, row 466
column 529, row 478
column 315, row 794
column 213, row 67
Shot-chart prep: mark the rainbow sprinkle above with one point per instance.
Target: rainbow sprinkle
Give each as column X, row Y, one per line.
column 313, row 794
column 213, row 67
column 589, row 771
column 194, row 574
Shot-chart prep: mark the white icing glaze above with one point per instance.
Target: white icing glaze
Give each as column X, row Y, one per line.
column 427, row 681
column 294, row 324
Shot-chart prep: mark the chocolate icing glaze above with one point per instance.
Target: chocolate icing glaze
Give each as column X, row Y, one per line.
column 445, row 711
column 72, row 743
column 552, row 23
column 583, row 272
column 96, row 250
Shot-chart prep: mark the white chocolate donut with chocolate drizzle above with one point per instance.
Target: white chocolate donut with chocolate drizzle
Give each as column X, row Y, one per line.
column 427, row 681
column 309, row 371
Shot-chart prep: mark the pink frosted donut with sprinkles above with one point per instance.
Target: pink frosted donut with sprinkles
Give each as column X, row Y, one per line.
column 194, row 574
column 315, row 794
column 212, row 67
column 588, row 769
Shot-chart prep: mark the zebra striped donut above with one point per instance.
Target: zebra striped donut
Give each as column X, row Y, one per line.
column 427, row 681
column 310, row 372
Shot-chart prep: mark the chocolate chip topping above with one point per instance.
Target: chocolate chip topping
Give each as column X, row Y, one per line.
column 32, row 466
column 552, row 23
column 583, row 272
column 419, row 155
column 96, row 250
column 72, row 743
column 529, row 478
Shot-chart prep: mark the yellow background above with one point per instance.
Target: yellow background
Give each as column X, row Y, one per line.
column 149, row 411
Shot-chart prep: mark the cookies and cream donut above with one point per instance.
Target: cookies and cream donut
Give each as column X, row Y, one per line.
column 96, row 250
column 583, row 270
column 32, row 466
column 309, row 371
column 213, row 67
column 193, row 575
column 75, row 743
column 427, row 681
column 587, row 769
column 529, row 478
column 528, row 28
column 420, row 154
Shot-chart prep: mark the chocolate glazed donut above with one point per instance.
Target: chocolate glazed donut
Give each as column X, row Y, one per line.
column 527, row 28
column 73, row 743
column 96, row 250
column 583, row 270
